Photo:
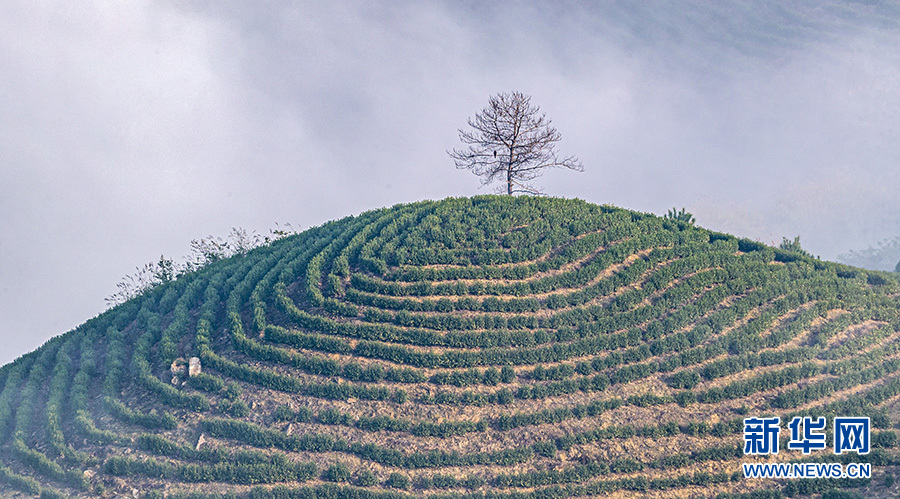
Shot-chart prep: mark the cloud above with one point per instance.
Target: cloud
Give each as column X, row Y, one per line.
column 128, row 129
column 109, row 130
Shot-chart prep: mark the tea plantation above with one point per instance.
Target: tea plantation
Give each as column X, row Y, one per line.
column 488, row 347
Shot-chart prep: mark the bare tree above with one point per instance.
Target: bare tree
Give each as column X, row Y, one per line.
column 510, row 141
column 204, row 251
column 145, row 278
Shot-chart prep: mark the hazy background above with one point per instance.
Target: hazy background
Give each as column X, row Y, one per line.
column 128, row 128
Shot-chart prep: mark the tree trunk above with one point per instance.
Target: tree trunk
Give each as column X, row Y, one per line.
column 509, row 174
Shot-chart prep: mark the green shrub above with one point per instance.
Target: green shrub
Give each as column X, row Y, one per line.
column 338, row 472
column 365, row 478
column 398, row 481
column 237, row 408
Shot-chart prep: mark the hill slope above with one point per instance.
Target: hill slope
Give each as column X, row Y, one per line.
column 524, row 347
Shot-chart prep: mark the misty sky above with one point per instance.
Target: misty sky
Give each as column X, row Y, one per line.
column 129, row 128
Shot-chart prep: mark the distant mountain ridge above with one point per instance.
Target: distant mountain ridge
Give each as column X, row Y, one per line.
column 471, row 347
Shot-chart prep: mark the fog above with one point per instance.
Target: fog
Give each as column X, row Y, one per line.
column 127, row 129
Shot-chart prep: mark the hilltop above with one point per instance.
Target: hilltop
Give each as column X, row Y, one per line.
column 476, row 347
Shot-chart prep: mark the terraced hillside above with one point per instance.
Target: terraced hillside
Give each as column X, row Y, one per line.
column 484, row 347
